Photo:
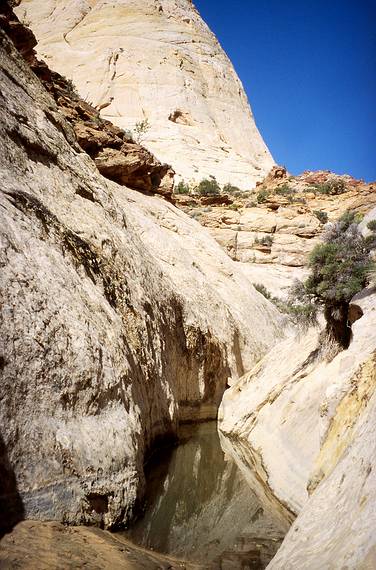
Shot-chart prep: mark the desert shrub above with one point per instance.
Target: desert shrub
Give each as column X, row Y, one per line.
column 208, row 186
column 71, row 86
column 196, row 215
column 332, row 187
column 282, row 306
column 263, row 290
column 339, row 268
column 349, row 217
column 140, row 130
column 321, row 216
column 182, row 188
column 262, row 195
column 230, row 189
column 372, row 225
column 264, row 240
column 285, row 190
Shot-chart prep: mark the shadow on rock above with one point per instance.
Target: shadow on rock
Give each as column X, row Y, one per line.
column 11, row 506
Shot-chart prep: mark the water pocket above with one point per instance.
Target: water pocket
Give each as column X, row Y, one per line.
column 201, row 507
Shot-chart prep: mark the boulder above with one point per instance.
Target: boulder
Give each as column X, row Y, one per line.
column 217, row 199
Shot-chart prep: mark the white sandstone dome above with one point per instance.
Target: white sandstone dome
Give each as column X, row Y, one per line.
column 156, row 60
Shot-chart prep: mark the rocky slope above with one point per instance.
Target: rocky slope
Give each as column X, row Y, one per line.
column 120, row 317
column 156, row 60
column 115, row 154
column 271, row 231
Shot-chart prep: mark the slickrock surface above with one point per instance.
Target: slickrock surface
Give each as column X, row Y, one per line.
column 120, row 316
column 310, row 424
column 336, row 528
column 156, row 60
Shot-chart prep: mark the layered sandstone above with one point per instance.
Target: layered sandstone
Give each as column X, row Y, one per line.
column 156, row 60
column 120, row 317
column 272, row 230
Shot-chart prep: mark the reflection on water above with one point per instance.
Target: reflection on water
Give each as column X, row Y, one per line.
column 200, row 507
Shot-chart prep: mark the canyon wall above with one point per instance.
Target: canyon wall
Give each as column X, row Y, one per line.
column 120, row 317
column 156, row 60
column 309, row 425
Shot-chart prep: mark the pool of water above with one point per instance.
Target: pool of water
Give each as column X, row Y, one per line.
column 205, row 505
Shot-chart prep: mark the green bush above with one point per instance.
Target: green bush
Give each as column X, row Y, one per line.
column 230, row 189
column 265, row 240
column 372, row 225
column 182, row 188
column 262, row 195
column 263, row 290
column 321, row 216
column 285, row 190
column 208, row 186
column 281, row 305
column 332, row 187
column 339, row 268
column 140, row 130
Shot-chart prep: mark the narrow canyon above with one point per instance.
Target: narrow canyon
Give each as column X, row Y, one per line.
column 160, row 406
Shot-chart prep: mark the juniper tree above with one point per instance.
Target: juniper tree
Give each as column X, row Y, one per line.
column 339, row 268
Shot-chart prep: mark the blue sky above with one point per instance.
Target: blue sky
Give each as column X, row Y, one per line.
column 309, row 70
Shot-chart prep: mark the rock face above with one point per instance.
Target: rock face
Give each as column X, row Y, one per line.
column 116, row 155
column 156, row 60
column 120, row 316
column 311, row 424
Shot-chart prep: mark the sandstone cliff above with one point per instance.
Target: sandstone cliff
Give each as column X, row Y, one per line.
column 156, row 60
column 309, row 425
column 120, row 317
